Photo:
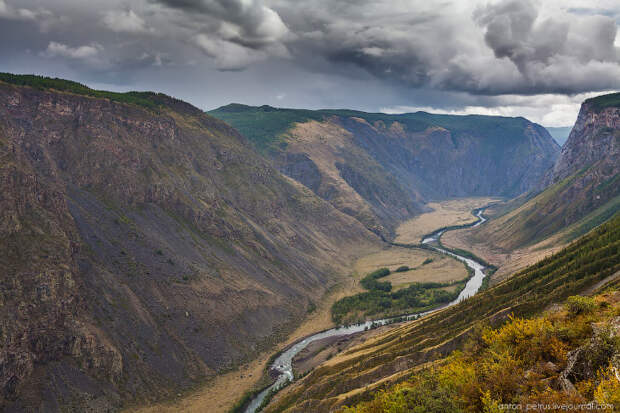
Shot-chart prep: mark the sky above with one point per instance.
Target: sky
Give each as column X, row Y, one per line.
column 537, row 59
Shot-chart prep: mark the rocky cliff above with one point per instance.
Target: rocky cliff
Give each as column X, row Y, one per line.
column 593, row 141
column 144, row 247
column 381, row 168
column 581, row 190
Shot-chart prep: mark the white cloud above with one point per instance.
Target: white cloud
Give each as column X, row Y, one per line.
column 84, row 53
column 12, row 13
column 546, row 109
column 235, row 33
column 124, row 21
column 227, row 55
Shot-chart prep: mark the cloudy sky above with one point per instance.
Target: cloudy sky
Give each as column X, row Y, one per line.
column 532, row 58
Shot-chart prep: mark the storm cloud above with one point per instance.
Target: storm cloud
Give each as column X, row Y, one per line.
column 445, row 54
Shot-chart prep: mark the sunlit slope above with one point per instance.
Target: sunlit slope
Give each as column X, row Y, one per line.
column 569, row 355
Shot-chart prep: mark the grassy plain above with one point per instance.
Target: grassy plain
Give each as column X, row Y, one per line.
column 445, row 213
column 441, row 269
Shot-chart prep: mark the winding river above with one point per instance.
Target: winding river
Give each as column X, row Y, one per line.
column 283, row 364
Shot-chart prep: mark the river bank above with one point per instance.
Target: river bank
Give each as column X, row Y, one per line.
column 283, row 363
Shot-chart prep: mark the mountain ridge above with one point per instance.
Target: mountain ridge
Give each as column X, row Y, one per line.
column 415, row 157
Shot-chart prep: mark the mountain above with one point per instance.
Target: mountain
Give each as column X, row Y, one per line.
column 145, row 247
column 560, row 134
column 414, row 350
column 381, row 168
column 581, row 191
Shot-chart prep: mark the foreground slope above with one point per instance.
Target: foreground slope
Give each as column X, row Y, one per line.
column 380, row 168
column 144, row 247
column 568, row 356
column 393, row 356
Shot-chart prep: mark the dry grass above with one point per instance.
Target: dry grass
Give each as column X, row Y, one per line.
column 445, row 213
column 442, row 269
column 322, row 142
column 508, row 262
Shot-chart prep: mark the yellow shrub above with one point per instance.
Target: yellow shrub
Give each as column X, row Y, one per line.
column 608, row 390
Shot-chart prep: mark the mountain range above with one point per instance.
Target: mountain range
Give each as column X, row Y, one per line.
column 381, row 169
column 148, row 246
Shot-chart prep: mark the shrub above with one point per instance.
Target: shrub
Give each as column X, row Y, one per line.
column 577, row 304
column 381, row 272
column 402, row 268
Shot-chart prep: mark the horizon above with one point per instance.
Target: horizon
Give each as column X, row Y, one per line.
column 392, row 112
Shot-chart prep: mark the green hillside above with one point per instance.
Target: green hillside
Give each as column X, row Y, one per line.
column 264, row 125
column 605, row 101
column 522, row 363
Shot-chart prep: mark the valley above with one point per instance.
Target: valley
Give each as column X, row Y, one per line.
column 162, row 258
column 284, row 363
column 221, row 393
column 443, row 214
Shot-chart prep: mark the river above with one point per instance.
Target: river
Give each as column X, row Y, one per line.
column 283, row 364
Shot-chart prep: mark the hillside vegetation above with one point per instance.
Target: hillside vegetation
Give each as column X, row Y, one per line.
column 264, row 125
column 145, row 99
column 381, row 300
column 568, row 356
column 393, row 356
column 604, row 101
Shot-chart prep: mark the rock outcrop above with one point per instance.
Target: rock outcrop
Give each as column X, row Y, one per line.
column 593, row 141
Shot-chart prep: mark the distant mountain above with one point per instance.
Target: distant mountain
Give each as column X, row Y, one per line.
column 560, row 134
column 144, row 247
column 581, row 190
column 381, row 168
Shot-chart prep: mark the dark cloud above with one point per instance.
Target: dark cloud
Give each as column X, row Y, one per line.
column 365, row 54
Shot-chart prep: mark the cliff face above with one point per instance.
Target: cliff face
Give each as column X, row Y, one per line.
column 593, row 141
column 381, row 168
column 145, row 248
column 582, row 189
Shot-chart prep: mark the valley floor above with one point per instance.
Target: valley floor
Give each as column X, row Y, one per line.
column 445, row 213
column 220, row 394
column 507, row 261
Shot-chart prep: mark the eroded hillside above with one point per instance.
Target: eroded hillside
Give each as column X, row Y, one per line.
column 144, row 247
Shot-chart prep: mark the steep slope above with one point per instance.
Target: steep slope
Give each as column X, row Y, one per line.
column 569, row 355
column 392, row 357
column 144, row 247
column 582, row 189
column 380, row 168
